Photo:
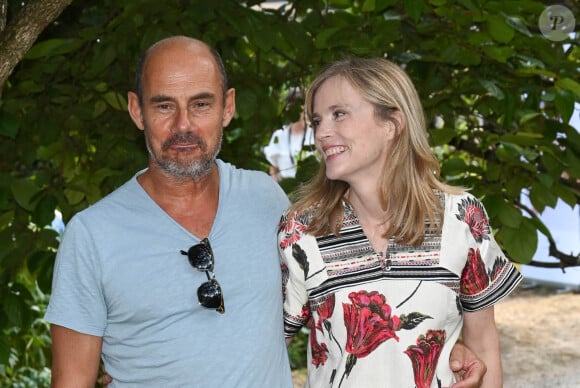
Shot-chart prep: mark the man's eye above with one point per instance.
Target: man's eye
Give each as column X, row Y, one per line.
column 201, row 105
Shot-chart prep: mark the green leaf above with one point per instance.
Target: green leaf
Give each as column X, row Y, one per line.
column 546, row 180
column 455, row 54
column 414, row 8
column 53, row 47
column 520, row 243
column 499, row 30
column 569, row 84
column 24, row 192
column 517, row 24
column 341, row 4
column 492, row 89
column 493, row 205
column 116, row 100
column 100, row 108
column 441, row 136
column 246, row 103
column 4, row 348
column 9, row 125
column 453, row 166
column 44, row 210
column 13, row 307
column 499, row 53
column 74, row 196
column 369, row 6
column 541, row 197
column 564, row 102
column 509, row 215
column 324, row 37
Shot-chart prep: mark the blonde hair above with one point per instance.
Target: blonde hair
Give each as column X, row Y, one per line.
column 410, row 180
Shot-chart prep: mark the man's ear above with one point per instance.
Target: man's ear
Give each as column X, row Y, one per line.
column 134, row 108
column 229, row 107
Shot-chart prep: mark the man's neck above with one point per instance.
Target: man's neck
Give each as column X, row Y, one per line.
column 191, row 203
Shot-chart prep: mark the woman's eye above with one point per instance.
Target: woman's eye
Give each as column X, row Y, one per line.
column 337, row 114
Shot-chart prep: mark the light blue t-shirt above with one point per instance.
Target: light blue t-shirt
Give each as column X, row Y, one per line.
column 119, row 274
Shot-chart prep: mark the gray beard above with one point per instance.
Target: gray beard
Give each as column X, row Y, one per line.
column 194, row 169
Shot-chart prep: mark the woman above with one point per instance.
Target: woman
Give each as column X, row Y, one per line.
column 382, row 261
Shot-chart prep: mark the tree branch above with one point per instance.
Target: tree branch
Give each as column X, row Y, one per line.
column 3, row 14
column 23, row 30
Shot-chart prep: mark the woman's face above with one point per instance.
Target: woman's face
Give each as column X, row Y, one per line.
column 354, row 143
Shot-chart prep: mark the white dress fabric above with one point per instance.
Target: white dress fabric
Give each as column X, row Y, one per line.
column 389, row 319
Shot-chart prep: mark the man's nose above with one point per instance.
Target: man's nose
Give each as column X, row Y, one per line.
column 183, row 121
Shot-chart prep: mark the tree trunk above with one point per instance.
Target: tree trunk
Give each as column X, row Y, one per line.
column 19, row 35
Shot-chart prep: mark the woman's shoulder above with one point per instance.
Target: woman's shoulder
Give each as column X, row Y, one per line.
column 293, row 217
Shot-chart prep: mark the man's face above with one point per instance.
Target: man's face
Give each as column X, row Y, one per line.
column 183, row 110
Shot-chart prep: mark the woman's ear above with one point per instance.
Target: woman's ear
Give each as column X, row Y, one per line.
column 399, row 120
column 395, row 124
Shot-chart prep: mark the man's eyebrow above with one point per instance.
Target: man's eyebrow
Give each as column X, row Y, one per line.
column 199, row 96
column 203, row 96
column 160, row 98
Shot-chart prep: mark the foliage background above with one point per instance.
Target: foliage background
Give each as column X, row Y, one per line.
column 497, row 93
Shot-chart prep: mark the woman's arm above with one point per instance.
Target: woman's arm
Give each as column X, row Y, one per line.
column 481, row 336
column 469, row 370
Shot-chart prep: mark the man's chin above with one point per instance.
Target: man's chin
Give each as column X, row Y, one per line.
column 196, row 171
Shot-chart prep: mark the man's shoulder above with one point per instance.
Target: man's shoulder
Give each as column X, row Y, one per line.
column 254, row 177
column 257, row 185
column 118, row 198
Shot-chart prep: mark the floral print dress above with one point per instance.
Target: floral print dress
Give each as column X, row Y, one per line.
column 389, row 319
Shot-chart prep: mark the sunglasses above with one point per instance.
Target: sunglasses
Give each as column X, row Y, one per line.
column 209, row 294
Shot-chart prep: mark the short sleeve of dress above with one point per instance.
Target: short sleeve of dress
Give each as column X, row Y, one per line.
column 488, row 275
column 293, row 261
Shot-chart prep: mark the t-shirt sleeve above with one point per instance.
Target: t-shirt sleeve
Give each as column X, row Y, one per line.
column 76, row 300
column 488, row 275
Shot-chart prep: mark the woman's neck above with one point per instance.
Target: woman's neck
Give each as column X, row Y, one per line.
column 371, row 216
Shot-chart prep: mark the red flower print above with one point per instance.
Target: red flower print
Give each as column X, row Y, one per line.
column 368, row 324
column 319, row 351
column 293, row 227
column 498, row 266
column 471, row 212
column 305, row 313
column 324, row 311
column 368, row 321
column 424, row 356
column 474, row 277
column 285, row 277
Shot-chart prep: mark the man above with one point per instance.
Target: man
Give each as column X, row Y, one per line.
column 173, row 278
